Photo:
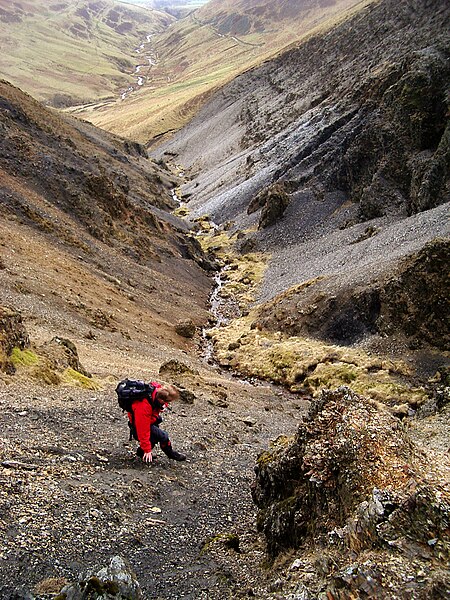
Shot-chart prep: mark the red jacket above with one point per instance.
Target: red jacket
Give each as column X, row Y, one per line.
column 145, row 415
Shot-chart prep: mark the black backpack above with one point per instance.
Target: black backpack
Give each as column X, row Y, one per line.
column 129, row 391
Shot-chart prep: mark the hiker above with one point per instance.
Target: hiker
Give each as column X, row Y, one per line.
column 146, row 418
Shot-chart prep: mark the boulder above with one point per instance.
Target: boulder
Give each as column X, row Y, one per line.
column 185, row 328
column 12, row 334
column 352, row 484
column 174, row 367
column 273, row 201
column 61, row 354
column 117, row 581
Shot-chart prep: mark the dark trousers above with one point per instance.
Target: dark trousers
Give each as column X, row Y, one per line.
column 158, row 436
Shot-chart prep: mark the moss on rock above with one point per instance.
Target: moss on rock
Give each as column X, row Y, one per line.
column 73, row 377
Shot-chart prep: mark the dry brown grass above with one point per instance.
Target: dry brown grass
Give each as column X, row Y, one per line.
column 172, row 95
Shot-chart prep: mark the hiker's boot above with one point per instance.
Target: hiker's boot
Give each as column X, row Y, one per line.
column 173, row 454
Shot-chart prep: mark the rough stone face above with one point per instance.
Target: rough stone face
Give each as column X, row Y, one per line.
column 62, row 353
column 350, row 483
column 12, row 334
column 185, row 328
column 117, row 581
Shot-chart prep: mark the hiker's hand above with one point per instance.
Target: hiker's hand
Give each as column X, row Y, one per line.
column 148, row 457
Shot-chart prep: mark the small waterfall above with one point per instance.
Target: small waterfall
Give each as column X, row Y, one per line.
column 223, row 309
column 215, row 302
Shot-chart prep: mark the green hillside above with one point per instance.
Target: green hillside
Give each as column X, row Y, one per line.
column 209, row 47
column 71, row 52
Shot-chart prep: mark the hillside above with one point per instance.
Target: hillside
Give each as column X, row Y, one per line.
column 66, row 53
column 336, row 152
column 202, row 51
column 92, row 209
column 314, row 380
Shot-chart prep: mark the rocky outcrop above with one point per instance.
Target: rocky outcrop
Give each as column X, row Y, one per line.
column 400, row 161
column 415, row 300
column 352, row 484
column 411, row 303
column 62, row 354
column 387, row 149
column 273, row 201
column 12, row 334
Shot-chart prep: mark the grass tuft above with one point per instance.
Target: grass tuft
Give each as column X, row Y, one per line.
column 73, row 377
column 23, row 358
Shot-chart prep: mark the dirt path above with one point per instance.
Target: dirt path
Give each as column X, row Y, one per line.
column 77, row 495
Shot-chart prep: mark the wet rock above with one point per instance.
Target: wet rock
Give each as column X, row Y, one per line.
column 185, row 328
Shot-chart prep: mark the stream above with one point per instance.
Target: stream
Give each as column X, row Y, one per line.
column 150, row 60
column 222, row 309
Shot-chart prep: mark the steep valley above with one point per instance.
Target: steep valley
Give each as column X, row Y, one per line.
column 197, row 55
column 314, row 189
column 314, row 158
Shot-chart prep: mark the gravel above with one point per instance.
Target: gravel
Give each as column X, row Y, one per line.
column 74, row 494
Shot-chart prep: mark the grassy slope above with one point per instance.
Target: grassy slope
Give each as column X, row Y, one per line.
column 72, row 48
column 193, row 60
